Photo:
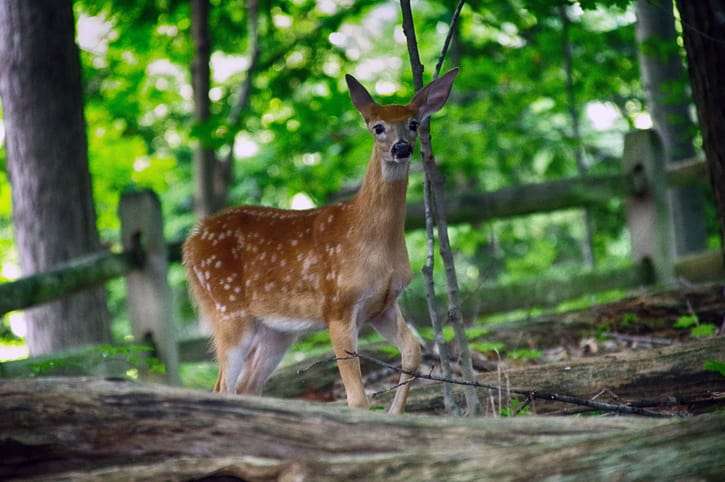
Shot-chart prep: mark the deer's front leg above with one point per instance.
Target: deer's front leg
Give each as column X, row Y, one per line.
column 392, row 327
column 344, row 341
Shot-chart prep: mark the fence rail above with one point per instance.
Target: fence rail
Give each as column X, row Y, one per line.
column 643, row 185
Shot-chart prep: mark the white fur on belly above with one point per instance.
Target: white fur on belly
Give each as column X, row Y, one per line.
column 291, row 325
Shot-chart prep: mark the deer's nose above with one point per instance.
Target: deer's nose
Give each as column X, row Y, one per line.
column 401, row 150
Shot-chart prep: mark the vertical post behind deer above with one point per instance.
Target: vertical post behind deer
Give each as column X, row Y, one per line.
column 648, row 211
column 148, row 292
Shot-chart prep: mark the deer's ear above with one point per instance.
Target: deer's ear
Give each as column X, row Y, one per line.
column 432, row 97
column 360, row 97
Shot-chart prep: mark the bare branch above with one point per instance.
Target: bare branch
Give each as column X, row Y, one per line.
column 449, row 37
column 436, row 198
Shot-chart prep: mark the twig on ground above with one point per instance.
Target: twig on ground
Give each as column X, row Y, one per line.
column 651, row 340
column 541, row 395
column 300, row 371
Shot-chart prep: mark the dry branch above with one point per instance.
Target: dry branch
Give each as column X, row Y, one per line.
column 436, row 203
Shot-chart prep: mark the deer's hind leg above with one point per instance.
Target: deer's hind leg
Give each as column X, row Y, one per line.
column 245, row 363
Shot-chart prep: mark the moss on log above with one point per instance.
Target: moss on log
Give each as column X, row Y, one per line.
column 64, row 280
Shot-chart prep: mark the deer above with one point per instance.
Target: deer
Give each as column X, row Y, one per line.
column 261, row 277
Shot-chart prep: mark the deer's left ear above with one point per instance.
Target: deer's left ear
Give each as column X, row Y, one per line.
column 432, row 97
column 360, row 96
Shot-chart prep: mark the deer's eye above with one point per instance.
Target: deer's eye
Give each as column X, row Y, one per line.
column 413, row 126
column 379, row 128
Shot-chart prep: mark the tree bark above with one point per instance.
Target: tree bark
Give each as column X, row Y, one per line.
column 205, row 163
column 665, row 82
column 53, row 213
column 81, row 429
column 703, row 26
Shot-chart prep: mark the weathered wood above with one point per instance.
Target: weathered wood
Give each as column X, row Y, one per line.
column 543, row 197
column 673, row 374
column 80, row 429
column 701, row 267
column 148, row 293
column 648, row 213
column 688, row 172
column 574, row 192
column 77, row 275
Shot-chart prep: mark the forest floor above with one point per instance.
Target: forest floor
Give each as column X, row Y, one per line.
column 658, row 355
column 649, row 320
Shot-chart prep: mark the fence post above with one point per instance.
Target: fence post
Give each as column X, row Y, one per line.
column 648, row 218
column 149, row 296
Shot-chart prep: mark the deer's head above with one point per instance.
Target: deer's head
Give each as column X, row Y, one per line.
column 395, row 127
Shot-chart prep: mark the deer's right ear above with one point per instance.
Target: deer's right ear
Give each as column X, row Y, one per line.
column 360, row 97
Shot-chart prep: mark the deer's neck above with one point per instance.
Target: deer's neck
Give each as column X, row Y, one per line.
column 380, row 203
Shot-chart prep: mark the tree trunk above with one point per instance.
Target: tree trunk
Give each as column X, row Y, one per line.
column 703, row 25
column 80, row 429
column 665, row 82
column 205, row 163
column 588, row 241
column 53, row 213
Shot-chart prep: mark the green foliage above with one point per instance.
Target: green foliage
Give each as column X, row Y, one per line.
column 487, row 346
column 515, row 409
column 703, row 330
column 697, row 329
column 715, row 366
column 629, row 319
column 525, row 354
column 687, row 321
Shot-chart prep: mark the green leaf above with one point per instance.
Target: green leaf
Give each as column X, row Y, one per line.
column 686, row 321
column 703, row 330
column 525, row 354
column 715, row 366
column 485, row 346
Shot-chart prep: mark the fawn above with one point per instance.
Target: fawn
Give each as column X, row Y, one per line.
column 262, row 276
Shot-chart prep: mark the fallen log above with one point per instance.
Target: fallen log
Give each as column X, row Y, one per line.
column 95, row 429
column 673, row 377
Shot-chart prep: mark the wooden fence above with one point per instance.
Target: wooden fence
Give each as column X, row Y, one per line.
column 643, row 185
